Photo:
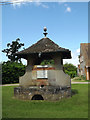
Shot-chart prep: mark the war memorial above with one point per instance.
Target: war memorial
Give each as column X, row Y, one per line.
column 44, row 82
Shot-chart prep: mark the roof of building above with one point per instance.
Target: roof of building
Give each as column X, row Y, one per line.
column 85, row 52
column 45, row 45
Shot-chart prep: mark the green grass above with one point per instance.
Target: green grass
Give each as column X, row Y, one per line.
column 74, row 107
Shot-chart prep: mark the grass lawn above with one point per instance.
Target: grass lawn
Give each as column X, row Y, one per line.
column 74, row 107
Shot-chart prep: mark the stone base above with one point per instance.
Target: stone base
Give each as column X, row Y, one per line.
column 50, row 93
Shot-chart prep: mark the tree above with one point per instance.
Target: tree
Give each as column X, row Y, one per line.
column 70, row 69
column 11, row 71
column 12, row 49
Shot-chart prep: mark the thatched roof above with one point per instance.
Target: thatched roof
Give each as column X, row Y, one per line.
column 85, row 52
column 45, row 45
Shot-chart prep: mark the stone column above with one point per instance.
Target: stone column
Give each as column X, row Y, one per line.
column 57, row 61
column 26, row 80
column 30, row 64
column 60, row 78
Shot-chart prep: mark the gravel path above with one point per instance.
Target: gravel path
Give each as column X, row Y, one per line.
column 71, row 83
column 10, row 85
column 80, row 82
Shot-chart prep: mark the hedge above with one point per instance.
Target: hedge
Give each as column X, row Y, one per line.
column 11, row 71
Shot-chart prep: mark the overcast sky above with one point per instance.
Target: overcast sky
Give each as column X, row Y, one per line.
column 67, row 24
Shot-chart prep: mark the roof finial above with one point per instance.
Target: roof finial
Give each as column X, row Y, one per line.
column 45, row 29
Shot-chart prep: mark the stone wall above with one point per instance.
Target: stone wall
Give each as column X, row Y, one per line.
column 51, row 93
column 56, row 76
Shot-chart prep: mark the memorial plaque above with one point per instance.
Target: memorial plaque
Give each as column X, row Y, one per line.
column 42, row 74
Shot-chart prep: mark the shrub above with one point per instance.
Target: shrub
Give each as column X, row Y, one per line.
column 83, row 77
column 11, row 71
column 47, row 62
column 80, row 78
column 70, row 69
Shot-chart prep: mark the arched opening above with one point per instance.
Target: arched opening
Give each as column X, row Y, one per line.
column 42, row 86
column 37, row 97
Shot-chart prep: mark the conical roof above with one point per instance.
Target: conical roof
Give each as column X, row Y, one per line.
column 45, row 45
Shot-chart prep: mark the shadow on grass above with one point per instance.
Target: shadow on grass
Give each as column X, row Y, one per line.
column 74, row 92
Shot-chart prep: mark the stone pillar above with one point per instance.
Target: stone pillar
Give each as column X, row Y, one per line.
column 30, row 64
column 57, row 61
column 59, row 78
column 26, row 80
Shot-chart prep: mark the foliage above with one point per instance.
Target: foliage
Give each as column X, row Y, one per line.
column 80, row 78
column 83, row 77
column 74, row 107
column 11, row 71
column 12, row 49
column 70, row 69
column 47, row 62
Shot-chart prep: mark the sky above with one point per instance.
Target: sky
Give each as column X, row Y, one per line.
column 66, row 22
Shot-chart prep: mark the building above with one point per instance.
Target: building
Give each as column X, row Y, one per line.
column 84, row 59
column 47, row 82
